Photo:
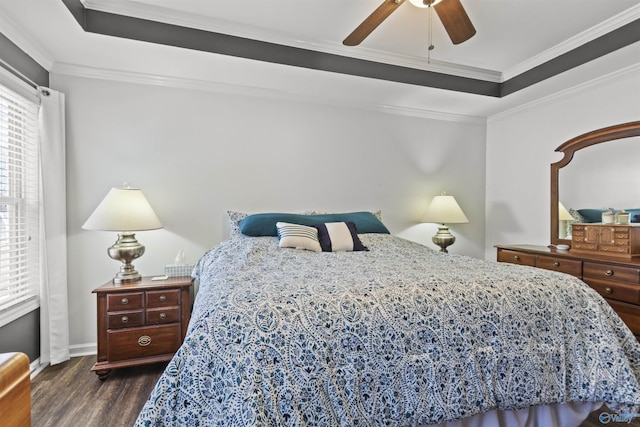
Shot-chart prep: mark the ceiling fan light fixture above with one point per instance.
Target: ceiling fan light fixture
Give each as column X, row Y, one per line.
column 424, row 3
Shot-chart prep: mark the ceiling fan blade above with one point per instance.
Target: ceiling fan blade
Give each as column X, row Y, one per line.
column 455, row 20
column 371, row 23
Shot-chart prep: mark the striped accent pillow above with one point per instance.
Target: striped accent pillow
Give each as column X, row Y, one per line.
column 298, row 236
column 339, row 236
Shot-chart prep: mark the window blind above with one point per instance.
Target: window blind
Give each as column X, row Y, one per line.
column 19, row 207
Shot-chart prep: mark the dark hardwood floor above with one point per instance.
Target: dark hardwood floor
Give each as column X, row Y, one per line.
column 70, row 395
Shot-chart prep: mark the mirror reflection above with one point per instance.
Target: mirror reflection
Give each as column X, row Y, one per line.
column 604, row 177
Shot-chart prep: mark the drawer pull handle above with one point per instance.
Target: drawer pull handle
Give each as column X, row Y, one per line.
column 516, row 257
column 124, row 300
column 608, row 273
column 163, row 316
column 124, row 319
column 144, row 340
column 608, row 290
column 162, row 298
column 556, row 264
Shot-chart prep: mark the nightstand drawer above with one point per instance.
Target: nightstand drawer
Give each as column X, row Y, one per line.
column 568, row 266
column 611, row 272
column 617, row 291
column 142, row 342
column 516, row 258
column 124, row 319
column 124, row 301
column 163, row 298
column 162, row 315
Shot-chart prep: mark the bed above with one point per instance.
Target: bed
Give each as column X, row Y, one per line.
column 395, row 334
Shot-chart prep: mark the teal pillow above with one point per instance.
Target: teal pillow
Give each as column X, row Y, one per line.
column 264, row 224
column 592, row 215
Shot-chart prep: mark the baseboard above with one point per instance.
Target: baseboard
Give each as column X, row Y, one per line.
column 74, row 351
column 36, row 368
column 80, row 350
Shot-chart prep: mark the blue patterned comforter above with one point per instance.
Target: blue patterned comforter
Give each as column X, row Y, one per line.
column 400, row 335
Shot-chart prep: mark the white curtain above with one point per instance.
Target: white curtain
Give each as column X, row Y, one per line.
column 54, row 315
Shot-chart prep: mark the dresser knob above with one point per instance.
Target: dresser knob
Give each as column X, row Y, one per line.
column 124, row 300
column 516, row 257
column 162, row 298
column 608, row 273
column 124, row 319
column 608, row 290
column 144, row 340
column 556, row 264
column 163, row 316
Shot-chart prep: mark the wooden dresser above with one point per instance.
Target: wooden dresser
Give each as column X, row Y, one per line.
column 614, row 277
column 141, row 322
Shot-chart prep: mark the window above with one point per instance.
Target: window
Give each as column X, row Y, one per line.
column 19, row 221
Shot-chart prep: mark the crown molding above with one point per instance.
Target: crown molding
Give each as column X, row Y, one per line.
column 614, row 76
column 601, row 29
column 187, row 35
column 26, row 44
column 189, row 20
column 252, row 91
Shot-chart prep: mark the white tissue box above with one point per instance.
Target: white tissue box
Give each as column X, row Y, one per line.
column 178, row 270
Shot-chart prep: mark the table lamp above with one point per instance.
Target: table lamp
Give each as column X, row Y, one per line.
column 563, row 217
column 444, row 209
column 125, row 210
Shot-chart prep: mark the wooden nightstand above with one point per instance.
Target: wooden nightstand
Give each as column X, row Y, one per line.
column 141, row 322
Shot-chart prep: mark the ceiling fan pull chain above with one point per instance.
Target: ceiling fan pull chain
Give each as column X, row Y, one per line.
column 430, row 31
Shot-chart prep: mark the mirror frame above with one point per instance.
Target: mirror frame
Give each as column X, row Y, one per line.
column 611, row 133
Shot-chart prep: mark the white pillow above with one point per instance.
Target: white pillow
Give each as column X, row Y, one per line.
column 298, row 236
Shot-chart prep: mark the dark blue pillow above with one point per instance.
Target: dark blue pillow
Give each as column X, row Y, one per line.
column 339, row 237
column 264, row 224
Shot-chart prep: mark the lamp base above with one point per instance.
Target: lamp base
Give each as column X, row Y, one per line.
column 126, row 249
column 443, row 238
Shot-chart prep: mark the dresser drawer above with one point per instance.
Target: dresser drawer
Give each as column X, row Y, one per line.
column 584, row 246
column 629, row 314
column 611, row 272
column 614, row 290
column 124, row 301
column 514, row 257
column 125, row 319
column 142, row 342
column 157, row 316
column 164, row 298
column 568, row 266
column 615, row 248
column 577, row 232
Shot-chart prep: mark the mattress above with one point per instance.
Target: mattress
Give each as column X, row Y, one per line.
column 399, row 335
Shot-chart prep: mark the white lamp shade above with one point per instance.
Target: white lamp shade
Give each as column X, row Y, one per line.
column 123, row 209
column 444, row 209
column 563, row 213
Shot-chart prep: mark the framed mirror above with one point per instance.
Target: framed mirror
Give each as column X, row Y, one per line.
column 606, row 176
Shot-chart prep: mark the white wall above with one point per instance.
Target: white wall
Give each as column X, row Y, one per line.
column 199, row 153
column 521, row 148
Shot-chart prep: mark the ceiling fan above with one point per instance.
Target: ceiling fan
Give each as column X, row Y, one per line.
column 453, row 16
